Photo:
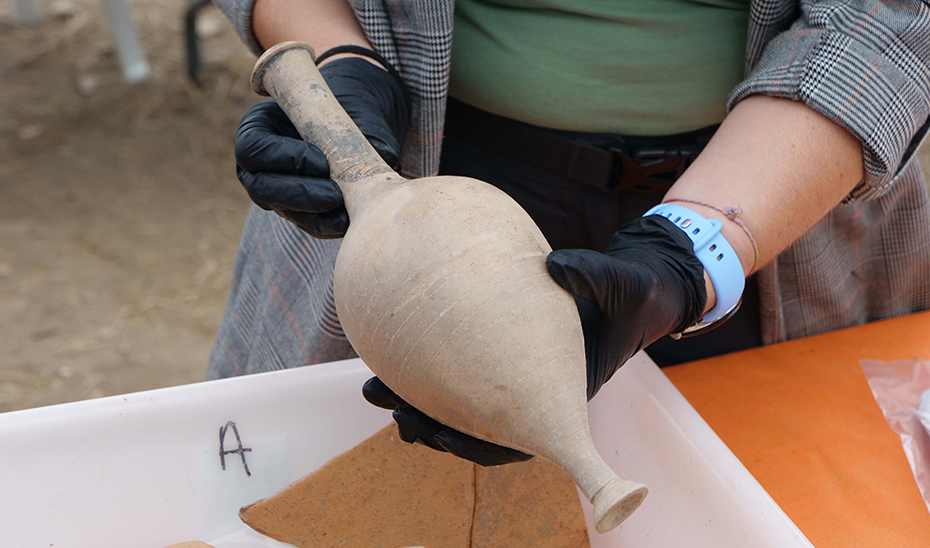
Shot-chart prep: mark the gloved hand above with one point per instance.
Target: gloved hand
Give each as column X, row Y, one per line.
column 282, row 172
column 414, row 426
column 647, row 284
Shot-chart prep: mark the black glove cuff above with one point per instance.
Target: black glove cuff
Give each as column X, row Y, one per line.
column 657, row 238
column 371, row 54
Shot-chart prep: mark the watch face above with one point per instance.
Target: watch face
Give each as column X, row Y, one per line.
column 700, row 327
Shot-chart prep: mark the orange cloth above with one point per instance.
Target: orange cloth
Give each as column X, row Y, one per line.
column 801, row 418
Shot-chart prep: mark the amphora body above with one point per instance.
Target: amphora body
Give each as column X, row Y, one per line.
column 442, row 289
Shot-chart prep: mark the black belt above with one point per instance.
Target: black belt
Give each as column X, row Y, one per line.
column 612, row 163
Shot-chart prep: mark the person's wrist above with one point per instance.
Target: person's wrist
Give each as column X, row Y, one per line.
column 722, row 266
column 733, row 233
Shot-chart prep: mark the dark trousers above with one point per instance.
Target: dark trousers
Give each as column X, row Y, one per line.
column 575, row 215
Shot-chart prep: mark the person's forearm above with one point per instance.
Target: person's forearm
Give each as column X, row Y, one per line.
column 324, row 24
column 784, row 165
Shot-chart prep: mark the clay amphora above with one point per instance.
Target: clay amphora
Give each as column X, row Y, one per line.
column 442, row 289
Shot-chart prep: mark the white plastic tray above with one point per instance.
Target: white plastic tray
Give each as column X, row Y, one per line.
column 143, row 470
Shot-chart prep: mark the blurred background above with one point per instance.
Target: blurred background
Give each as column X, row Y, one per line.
column 120, row 212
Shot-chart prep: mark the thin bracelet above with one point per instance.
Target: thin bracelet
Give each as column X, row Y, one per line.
column 371, row 54
column 730, row 212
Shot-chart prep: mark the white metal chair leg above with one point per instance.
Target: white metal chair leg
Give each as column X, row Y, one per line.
column 25, row 12
column 131, row 58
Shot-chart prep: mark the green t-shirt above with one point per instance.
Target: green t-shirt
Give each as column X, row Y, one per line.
column 633, row 67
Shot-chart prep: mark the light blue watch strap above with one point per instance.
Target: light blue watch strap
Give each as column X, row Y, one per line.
column 717, row 256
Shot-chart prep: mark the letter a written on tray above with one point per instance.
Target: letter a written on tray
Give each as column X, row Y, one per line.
column 238, row 451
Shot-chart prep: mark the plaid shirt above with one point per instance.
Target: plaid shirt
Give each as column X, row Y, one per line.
column 864, row 64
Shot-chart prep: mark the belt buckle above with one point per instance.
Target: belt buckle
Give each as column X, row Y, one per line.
column 648, row 169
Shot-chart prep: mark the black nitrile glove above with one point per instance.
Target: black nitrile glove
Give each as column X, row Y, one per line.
column 284, row 173
column 414, row 426
column 647, row 284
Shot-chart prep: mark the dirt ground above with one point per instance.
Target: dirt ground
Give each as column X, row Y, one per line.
column 119, row 207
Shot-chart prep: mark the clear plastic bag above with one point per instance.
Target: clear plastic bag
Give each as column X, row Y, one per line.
column 902, row 391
